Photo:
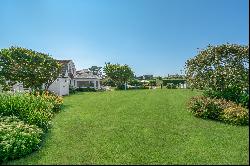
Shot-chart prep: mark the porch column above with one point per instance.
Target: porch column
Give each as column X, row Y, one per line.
column 94, row 84
column 99, row 86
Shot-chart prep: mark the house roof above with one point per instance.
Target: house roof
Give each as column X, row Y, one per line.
column 86, row 74
column 63, row 61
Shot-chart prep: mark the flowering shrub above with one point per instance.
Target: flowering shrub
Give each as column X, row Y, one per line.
column 222, row 71
column 50, row 97
column 218, row 109
column 29, row 108
column 17, row 138
column 29, row 116
column 235, row 115
column 219, row 68
column 233, row 94
column 206, row 107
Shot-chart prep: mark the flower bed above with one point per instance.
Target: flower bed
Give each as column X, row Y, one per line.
column 23, row 119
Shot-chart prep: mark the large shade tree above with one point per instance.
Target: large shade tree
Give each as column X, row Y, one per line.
column 29, row 67
column 222, row 68
column 119, row 74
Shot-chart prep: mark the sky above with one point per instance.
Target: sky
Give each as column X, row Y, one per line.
column 151, row 36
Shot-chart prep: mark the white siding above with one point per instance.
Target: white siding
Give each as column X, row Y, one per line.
column 55, row 86
column 18, row 87
column 64, row 86
column 60, row 86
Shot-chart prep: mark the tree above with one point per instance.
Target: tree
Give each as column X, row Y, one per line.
column 135, row 82
column 222, row 68
column 119, row 74
column 95, row 69
column 31, row 68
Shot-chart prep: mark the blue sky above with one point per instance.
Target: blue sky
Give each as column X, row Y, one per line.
column 152, row 36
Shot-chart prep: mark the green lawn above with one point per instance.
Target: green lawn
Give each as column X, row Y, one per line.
column 138, row 127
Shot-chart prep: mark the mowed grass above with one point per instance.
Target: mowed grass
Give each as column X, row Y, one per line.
column 138, row 127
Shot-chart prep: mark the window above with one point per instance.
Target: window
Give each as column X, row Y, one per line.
column 84, row 84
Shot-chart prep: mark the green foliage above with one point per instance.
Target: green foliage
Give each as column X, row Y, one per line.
column 235, row 115
column 72, row 89
column 35, row 110
column 108, row 82
column 218, row 109
column 119, row 74
column 171, row 86
column 207, row 108
column 159, row 81
column 135, row 82
column 138, row 87
column 20, row 116
column 223, row 69
column 175, row 82
column 95, row 70
column 152, row 82
column 233, row 94
column 175, row 76
column 17, row 139
column 31, row 68
column 139, row 127
column 86, row 89
column 50, row 97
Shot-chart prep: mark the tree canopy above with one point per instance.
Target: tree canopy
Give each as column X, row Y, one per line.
column 31, row 68
column 222, row 71
column 219, row 68
column 119, row 74
column 96, row 70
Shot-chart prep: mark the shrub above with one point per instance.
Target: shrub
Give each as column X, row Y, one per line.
column 244, row 99
column 50, row 97
column 176, row 82
column 29, row 108
column 17, row 139
column 86, row 89
column 235, row 115
column 218, row 109
column 205, row 107
column 221, row 68
column 233, row 94
column 137, row 87
column 72, row 89
column 171, row 86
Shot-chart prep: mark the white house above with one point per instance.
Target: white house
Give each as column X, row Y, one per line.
column 61, row 85
column 18, row 87
column 86, row 79
column 77, row 79
column 69, row 76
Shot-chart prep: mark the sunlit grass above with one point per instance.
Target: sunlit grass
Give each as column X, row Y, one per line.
column 138, row 127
